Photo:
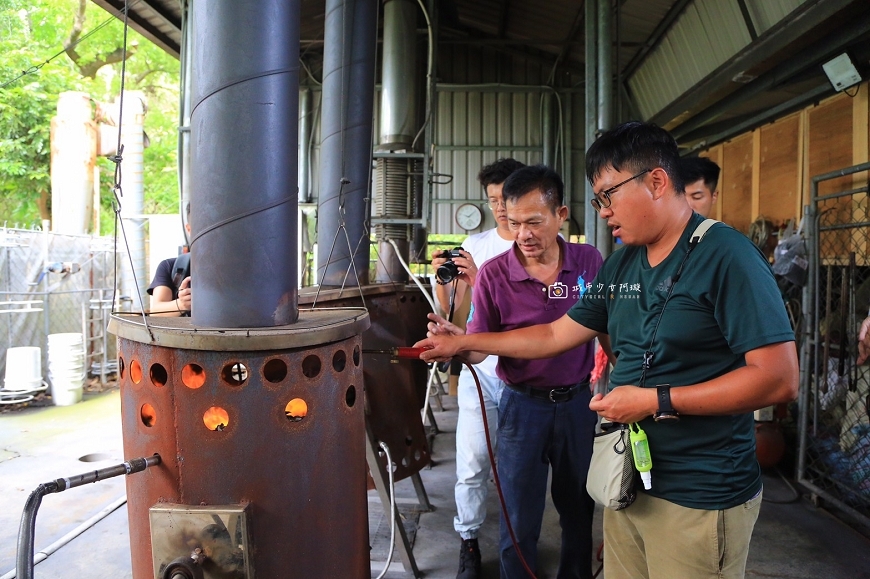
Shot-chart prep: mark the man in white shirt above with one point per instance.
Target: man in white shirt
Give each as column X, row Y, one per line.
column 472, row 459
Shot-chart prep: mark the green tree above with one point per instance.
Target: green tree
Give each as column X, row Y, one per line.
column 74, row 45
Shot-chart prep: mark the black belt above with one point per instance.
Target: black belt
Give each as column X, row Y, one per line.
column 563, row 394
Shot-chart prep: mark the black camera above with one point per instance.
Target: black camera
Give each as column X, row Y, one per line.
column 181, row 270
column 448, row 271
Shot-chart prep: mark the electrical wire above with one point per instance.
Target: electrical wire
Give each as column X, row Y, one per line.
column 386, row 450
column 430, row 65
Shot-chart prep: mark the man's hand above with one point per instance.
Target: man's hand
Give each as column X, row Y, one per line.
column 625, row 404
column 441, row 347
column 441, row 327
column 864, row 341
column 184, row 292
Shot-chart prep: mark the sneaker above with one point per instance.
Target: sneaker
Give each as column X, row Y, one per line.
column 469, row 560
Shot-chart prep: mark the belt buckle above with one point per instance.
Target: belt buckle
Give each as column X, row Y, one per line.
column 563, row 395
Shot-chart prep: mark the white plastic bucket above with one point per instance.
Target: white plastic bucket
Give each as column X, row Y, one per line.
column 23, row 369
column 66, row 368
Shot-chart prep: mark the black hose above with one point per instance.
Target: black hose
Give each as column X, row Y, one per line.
column 24, row 561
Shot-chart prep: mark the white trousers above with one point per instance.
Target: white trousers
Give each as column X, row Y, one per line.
column 472, row 459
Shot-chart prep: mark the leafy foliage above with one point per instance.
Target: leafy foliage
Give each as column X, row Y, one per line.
column 33, row 38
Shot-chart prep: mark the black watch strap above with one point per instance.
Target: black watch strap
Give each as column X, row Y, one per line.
column 666, row 409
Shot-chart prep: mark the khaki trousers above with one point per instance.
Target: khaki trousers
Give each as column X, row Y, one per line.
column 657, row 539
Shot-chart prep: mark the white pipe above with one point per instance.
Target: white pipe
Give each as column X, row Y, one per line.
column 392, row 515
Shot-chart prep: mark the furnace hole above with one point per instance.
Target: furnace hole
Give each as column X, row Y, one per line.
column 405, row 462
column 356, row 355
column 350, row 396
column 409, row 441
column 417, row 455
column 275, row 370
column 311, row 366
column 158, row 375
column 339, row 360
column 148, row 415
column 136, row 372
column 121, row 367
column 296, row 410
column 235, row 374
column 193, row 376
column 216, row 418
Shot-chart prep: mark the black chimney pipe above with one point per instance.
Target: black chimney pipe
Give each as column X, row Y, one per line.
column 243, row 163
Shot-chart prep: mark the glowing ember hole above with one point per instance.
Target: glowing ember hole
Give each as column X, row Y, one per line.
column 216, row 418
column 193, row 376
column 296, row 410
column 136, row 372
column 148, row 415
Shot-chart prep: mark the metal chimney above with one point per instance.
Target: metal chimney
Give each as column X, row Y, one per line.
column 346, row 141
column 244, row 126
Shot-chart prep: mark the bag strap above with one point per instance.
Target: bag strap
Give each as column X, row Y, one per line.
column 694, row 240
column 701, row 231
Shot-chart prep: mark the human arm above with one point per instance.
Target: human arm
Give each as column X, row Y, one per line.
column 770, row 376
column 864, row 341
column 533, row 342
column 163, row 304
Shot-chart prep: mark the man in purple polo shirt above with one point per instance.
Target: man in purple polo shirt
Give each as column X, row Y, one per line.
column 544, row 416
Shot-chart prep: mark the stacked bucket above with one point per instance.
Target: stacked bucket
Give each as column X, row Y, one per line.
column 23, row 375
column 66, row 360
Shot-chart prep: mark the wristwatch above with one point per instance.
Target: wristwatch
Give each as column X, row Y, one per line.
column 666, row 412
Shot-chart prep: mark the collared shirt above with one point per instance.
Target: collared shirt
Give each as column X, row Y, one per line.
column 505, row 298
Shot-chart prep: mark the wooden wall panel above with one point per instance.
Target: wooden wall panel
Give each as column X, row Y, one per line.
column 735, row 182
column 830, row 141
column 829, row 148
column 778, row 167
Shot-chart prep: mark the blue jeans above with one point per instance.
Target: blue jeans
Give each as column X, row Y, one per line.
column 534, row 435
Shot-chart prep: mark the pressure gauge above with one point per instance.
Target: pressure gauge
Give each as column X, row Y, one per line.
column 469, row 216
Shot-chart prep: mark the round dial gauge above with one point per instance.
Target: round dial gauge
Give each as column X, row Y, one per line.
column 469, row 216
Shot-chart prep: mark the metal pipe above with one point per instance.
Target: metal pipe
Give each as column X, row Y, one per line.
column 591, row 217
column 244, row 199
column 350, row 38
column 134, row 278
column 604, row 90
column 304, row 144
column 27, row 530
column 186, row 60
column 547, row 128
column 398, row 82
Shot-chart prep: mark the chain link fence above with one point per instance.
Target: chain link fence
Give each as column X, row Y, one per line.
column 834, row 431
column 52, row 283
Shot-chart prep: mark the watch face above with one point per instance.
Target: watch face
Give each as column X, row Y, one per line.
column 469, row 216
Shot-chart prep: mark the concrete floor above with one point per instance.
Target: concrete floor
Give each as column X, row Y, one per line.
column 795, row 540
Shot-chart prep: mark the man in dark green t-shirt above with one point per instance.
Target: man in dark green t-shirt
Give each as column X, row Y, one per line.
column 701, row 339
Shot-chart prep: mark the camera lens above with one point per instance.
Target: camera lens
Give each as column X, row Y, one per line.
column 447, row 272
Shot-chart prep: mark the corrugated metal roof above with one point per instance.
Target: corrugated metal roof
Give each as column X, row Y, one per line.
column 677, row 57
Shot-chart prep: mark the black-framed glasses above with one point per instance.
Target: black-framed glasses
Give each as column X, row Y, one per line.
column 602, row 199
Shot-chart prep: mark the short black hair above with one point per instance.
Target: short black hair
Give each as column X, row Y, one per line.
column 535, row 178
column 635, row 146
column 495, row 173
column 696, row 168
